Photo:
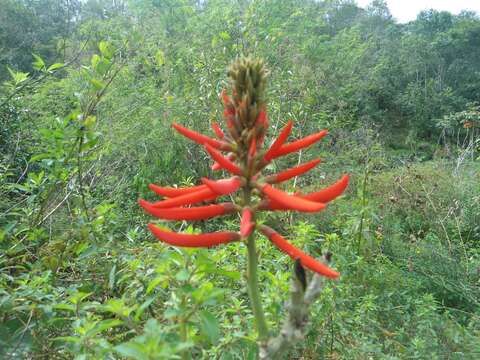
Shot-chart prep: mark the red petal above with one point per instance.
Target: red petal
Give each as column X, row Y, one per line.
column 290, row 201
column 329, row 193
column 218, row 131
column 191, row 198
column 299, row 144
column 174, row 192
column 223, row 187
column 188, row 240
column 295, row 253
column 200, row 138
column 246, row 224
column 295, row 171
column 262, row 118
column 217, row 166
column 253, row 147
column 225, row 98
column 279, row 141
column 223, row 161
column 192, row 213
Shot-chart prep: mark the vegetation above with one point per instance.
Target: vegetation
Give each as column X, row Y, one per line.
column 89, row 92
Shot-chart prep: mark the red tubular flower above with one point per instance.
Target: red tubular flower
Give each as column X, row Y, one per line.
column 192, row 213
column 246, row 224
column 290, row 173
column 225, row 98
column 291, row 201
column 223, row 187
column 329, row 193
column 174, row 192
column 200, row 138
column 187, row 199
column 223, row 161
column 299, row 144
column 216, row 166
column 218, row 131
column 193, row 240
column 262, row 119
column 295, row 253
column 277, row 144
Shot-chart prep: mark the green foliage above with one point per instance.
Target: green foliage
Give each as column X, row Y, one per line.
column 88, row 95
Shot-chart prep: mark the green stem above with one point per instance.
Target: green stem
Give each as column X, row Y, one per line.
column 253, row 291
column 252, row 276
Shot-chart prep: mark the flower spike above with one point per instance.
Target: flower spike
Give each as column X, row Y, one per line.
column 295, row 253
column 193, row 240
column 239, row 149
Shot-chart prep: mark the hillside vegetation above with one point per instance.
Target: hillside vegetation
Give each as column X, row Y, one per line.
column 89, row 90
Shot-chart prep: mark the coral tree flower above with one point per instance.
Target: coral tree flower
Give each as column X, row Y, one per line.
column 239, row 151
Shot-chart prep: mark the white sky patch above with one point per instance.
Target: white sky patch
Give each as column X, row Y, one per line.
column 407, row 10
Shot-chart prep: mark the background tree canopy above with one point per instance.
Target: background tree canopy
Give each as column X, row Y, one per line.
column 89, row 90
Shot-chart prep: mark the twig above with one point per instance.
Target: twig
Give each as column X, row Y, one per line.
column 302, row 295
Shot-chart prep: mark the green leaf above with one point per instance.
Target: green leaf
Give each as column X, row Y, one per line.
column 97, row 84
column 55, row 66
column 160, row 57
column 106, row 49
column 90, row 121
column 143, row 307
column 94, row 61
column 38, row 64
column 209, row 326
column 18, row 76
column 63, row 306
column 104, row 325
column 71, row 339
column 224, row 35
column 154, row 283
column 131, row 350
column 111, row 277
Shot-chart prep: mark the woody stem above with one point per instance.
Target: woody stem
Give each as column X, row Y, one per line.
column 252, row 281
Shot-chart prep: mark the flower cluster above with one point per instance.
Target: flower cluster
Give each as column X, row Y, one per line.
column 240, row 151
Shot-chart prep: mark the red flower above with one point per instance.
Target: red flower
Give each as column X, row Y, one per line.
column 218, row 131
column 191, row 213
column 246, row 224
column 295, row 253
column 299, row 144
column 223, row 161
column 223, row 187
column 279, row 141
column 290, row 173
column 329, row 193
column 187, row 240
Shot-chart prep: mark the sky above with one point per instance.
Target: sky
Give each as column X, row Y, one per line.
column 406, row 10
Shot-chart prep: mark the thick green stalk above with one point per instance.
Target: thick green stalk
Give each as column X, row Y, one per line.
column 253, row 290
column 252, row 280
